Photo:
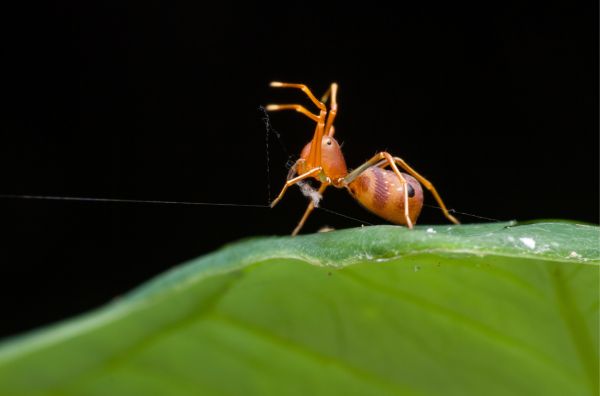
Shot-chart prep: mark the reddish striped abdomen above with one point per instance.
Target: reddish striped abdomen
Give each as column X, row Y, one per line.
column 380, row 191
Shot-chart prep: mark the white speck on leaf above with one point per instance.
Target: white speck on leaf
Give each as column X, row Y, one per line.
column 431, row 231
column 529, row 242
column 574, row 254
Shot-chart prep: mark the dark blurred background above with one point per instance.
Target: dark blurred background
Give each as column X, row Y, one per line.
column 497, row 105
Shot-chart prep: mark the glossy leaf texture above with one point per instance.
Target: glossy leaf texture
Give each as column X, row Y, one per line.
column 494, row 309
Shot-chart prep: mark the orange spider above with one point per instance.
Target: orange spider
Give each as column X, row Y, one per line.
column 392, row 195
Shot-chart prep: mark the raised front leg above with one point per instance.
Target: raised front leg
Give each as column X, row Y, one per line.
column 314, row 157
column 333, row 108
column 297, row 107
column 304, row 89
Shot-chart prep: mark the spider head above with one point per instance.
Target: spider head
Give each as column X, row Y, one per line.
column 332, row 159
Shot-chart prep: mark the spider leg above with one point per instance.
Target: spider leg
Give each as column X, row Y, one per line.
column 304, row 89
column 309, row 209
column 428, row 185
column 292, row 172
column 297, row 107
column 387, row 159
column 314, row 156
column 333, row 108
column 375, row 160
column 293, row 181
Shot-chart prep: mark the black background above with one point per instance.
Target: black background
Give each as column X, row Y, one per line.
column 496, row 104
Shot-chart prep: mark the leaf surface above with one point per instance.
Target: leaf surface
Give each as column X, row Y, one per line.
column 492, row 309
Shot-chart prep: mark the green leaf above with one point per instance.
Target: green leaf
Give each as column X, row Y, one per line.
column 494, row 309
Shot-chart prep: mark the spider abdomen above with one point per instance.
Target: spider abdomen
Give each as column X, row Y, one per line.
column 381, row 192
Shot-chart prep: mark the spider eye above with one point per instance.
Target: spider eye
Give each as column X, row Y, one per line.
column 328, row 142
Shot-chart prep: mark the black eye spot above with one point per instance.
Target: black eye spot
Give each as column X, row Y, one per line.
column 411, row 191
column 329, row 142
